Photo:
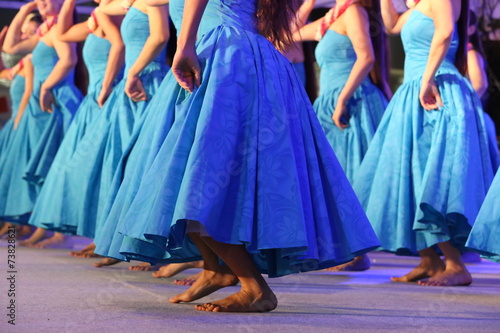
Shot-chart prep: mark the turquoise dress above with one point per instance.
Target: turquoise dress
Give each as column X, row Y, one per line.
column 426, row 173
column 245, row 156
column 40, row 134
column 95, row 55
column 83, row 183
column 485, row 235
column 16, row 92
column 336, row 57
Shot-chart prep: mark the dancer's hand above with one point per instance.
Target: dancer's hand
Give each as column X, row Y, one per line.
column 430, row 99
column 340, row 116
column 103, row 96
column 135, row 89
column 186, row 69
column 46, row 100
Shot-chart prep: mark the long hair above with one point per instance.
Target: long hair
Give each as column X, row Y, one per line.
column 475, row 38
column 275, row 19
column 379, row 73
column 463, row 26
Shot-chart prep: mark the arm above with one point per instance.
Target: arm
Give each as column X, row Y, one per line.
column 65, row 30
column 303, row 13
column 444, row 26
column 186, row 66
column 358, row 31
column 113, row 8
column 477, row 74
column 307, row 32
column 28, row 89
column 157, row 2
column 393, row 22
column 13, row 43
column 116, row 56
column 158, row 37
column 67, row 61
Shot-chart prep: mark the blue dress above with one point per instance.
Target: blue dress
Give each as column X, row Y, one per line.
column 426, row 173
column 336, row 57
column 95, row 55
column 40, row 134
column 485, row 235
column 16, row 92
column 245, row 156
column 82, row 185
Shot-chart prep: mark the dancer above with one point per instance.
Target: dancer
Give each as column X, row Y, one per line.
column 49, row 111
column 477, row 75
column 427, row 169
column 244, row 173
column 351, row 103
column 103, row 56
column 83, row 183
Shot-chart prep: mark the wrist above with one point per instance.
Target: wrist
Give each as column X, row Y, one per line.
column 45, row 88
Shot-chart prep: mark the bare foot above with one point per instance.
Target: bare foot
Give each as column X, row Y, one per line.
column 243, row 301
column 37, row 236
column 23, row 231
column 106, row 262
column 422, row 271
column 5, row 229
column 87, row 252
column 173, row 269
column 145, row 266
column 188, row 281
column 449, row 277
column 359, row 264
column 58, row 240
column 207, row 283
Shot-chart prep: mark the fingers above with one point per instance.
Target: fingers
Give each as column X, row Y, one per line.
column 185, row 81
column 339, row 123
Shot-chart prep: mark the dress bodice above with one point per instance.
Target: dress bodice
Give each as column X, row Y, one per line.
column 232, row 13
column 336, row 57
column 44, row 58
column 417, row 37
column 95, row 55
column 135, row 32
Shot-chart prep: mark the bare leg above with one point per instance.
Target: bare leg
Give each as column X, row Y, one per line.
column 430, row 265
column 106, row 262
column 359, row 264
column 455, row 273
column 37, row 236
column 57, row 240
column 174, row 269
column 213, row 277
column 189, row 281
column 87, row 252
column 254, row 295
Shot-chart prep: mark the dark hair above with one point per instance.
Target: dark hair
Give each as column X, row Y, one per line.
column 475, row 38
column 37, row 18
column 463, row 26
column 379, row 73
column 274, row 20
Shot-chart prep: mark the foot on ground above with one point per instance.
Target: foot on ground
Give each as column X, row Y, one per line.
column 359, row 264
column 422, row 271
column 145, row 266
column 36, row 237
column 106, row 262
column 207, row 283
column 174, row 269
column 188, row 281
column 448, row 278
column 57, row 241
column 87, row 252
column 242, row 301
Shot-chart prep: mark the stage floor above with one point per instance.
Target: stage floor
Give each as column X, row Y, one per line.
column 59, row 293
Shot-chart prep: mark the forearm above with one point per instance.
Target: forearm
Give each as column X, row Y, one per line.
column 13, row 36
column 61, row 70
column 193, row 11
column 115, row 64
column 77, row 33
column 303, row 14
column 439, row 48
column 151, row 49
column 359, row 72
column 113, row 8
column 65, row 18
